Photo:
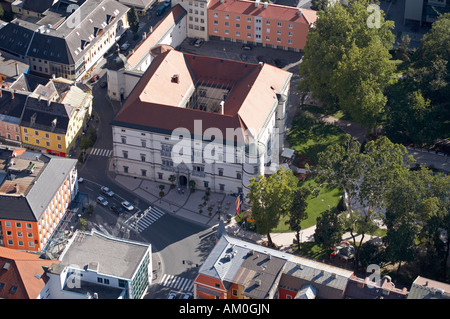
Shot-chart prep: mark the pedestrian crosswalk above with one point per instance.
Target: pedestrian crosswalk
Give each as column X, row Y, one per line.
column 178, row 283
column 101, row 152
column 149, row 218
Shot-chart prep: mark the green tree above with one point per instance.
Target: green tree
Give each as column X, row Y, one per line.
column 417, row 218
column 360, row 80
column 365, row 178
column 133, row 20
column 341, row 32
column 270, row 197
column 319, row 4
column 329, row 229
column 297, row 213
column 342, row 165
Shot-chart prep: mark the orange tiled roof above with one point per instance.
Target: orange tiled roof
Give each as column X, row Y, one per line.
column 273, row 11
column 154, row 103
column 24, row 271
column 158, row 32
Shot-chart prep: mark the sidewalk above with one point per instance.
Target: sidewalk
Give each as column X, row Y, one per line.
column 186, row 205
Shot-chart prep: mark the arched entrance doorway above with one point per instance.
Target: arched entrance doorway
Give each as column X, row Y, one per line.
column 182, row 181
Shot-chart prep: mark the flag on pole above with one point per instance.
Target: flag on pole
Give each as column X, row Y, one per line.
column 237, row 205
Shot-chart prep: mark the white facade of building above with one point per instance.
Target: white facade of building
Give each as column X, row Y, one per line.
column 122, row 81
column 221, row 167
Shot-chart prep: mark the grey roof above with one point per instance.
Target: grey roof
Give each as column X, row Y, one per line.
column 54, row 38
column 48, row 183
column 67, row 44
column 425, row 288
column 37, row 5
column 41, row 114
column 16, row 36
column 40, row 190
column 330, row 283
column 28, row 82
column 137, row 3
column 254, row 267
column 104, row 254
column 11, row 108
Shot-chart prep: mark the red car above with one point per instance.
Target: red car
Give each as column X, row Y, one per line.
column 95, row 78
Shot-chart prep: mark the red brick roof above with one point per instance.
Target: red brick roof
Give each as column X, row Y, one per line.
column 158, row 32
column 23, row 271
column 154, row 102
column 273, row 11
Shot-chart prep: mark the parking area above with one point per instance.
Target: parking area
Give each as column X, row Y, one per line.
column 242, row 52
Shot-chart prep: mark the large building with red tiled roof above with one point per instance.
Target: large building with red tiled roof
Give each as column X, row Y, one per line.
column 255, row 22
column 22, row 275
column 230, row 114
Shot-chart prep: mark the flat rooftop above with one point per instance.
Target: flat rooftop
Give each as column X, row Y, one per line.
column 103, row 254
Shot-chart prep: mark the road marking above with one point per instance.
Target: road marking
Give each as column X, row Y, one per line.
column 152, row 216
column 176, row 282
column 101, row 152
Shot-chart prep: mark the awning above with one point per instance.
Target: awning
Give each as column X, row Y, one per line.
column 288, row 153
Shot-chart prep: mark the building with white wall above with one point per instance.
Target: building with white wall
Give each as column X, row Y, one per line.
column 230, row 116
column 123, row 73
column 94, row 265
column 69, row 39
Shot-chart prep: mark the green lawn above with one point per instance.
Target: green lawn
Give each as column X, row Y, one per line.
column 316, row 205
column 309, row 136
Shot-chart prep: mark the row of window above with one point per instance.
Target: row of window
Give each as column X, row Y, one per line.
column 19, row 234
column 47, row 135
column 21, row 243
column 257, row 20
column 249, row 36
column 47, row 143
column 19, row 225
column 249, row 27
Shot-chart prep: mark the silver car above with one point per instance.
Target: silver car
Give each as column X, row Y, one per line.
column 127, row 205
column 107, row 191
column 102, row 201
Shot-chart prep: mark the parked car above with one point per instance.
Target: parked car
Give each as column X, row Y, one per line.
column 161, row 10
column 125, row 46
column 172, row 295
column 198, row 43
column 107, row 191
column 117, row 210
column 127, row 205
column 95, row 78
column 102, row 201
column 187, row 295
column 247, row 47
column 192, row 42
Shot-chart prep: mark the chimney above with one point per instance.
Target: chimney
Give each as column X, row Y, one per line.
column 222, row 108
column 266, row 4
column 175, row 78
column 299, row 12
column 257, row 3
column 17, row 68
